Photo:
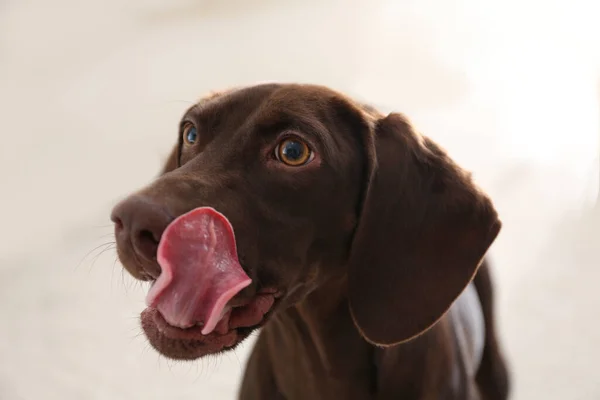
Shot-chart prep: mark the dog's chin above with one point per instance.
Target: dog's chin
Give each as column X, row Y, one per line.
column 190, row 343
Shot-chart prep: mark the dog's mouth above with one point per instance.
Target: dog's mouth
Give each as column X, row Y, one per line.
column 191, row 307
column 191, row 343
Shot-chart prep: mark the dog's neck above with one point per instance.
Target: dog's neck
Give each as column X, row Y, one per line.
column 320, row 330
column 326, row 314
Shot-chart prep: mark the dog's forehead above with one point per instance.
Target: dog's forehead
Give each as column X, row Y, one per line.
column 271, row 107
column 288, row 98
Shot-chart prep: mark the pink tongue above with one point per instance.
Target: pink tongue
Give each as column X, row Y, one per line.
column 200, row 270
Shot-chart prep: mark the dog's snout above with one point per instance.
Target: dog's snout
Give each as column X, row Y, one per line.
column 139, row 224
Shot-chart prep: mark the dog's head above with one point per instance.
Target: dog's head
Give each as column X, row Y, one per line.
column 273, row 190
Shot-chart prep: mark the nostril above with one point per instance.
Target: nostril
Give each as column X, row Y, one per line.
column 147, row 244
column 147, row 235
column 139, row 224
column 118, row 223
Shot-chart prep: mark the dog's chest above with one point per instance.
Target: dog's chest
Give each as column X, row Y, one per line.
column 468, row 325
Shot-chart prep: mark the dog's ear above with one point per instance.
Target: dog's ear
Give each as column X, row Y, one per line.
column 172, row 161
column 423, row 231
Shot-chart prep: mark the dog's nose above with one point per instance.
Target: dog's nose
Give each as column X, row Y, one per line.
column 139, row 224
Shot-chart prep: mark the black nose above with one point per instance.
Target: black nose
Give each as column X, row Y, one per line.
column 139, row 225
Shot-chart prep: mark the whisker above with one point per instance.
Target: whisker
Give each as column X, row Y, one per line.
column 113, row 272
column 130, row 283
column 218, row 363
column 158, row 359
column 112, row 276
column 123, row 280
column 112, row 246
column 189, row 365
column 135, row 337
column 107, row 244
column 235, row 354
column 139, row 285
column 146, row 350
column 106, row 235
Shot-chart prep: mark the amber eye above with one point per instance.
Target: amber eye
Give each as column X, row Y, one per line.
column 190, row 134
column 294, row 152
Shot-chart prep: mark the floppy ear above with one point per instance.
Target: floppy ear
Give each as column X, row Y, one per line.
column 423, row 231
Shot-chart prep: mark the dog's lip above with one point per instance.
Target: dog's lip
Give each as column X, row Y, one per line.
column 194, row 333
column 277, row 293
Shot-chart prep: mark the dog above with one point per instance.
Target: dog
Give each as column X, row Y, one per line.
column 353, row 241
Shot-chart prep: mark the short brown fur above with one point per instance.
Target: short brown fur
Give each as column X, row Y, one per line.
column 371, row 244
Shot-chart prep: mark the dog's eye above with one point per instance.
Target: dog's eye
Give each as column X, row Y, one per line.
column 190, row 134
column 294, row 152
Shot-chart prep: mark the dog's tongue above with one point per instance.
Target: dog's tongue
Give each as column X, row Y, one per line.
column 200, row 270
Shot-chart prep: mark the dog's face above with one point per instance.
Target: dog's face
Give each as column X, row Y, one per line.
column 312, row 195
column 284, row 165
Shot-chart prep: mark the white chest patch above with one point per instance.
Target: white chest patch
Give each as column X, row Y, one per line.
column 467, row 318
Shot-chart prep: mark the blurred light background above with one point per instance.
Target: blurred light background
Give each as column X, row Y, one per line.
column 90, row 96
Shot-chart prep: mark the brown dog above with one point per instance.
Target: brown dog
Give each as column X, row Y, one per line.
column 363, row 241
